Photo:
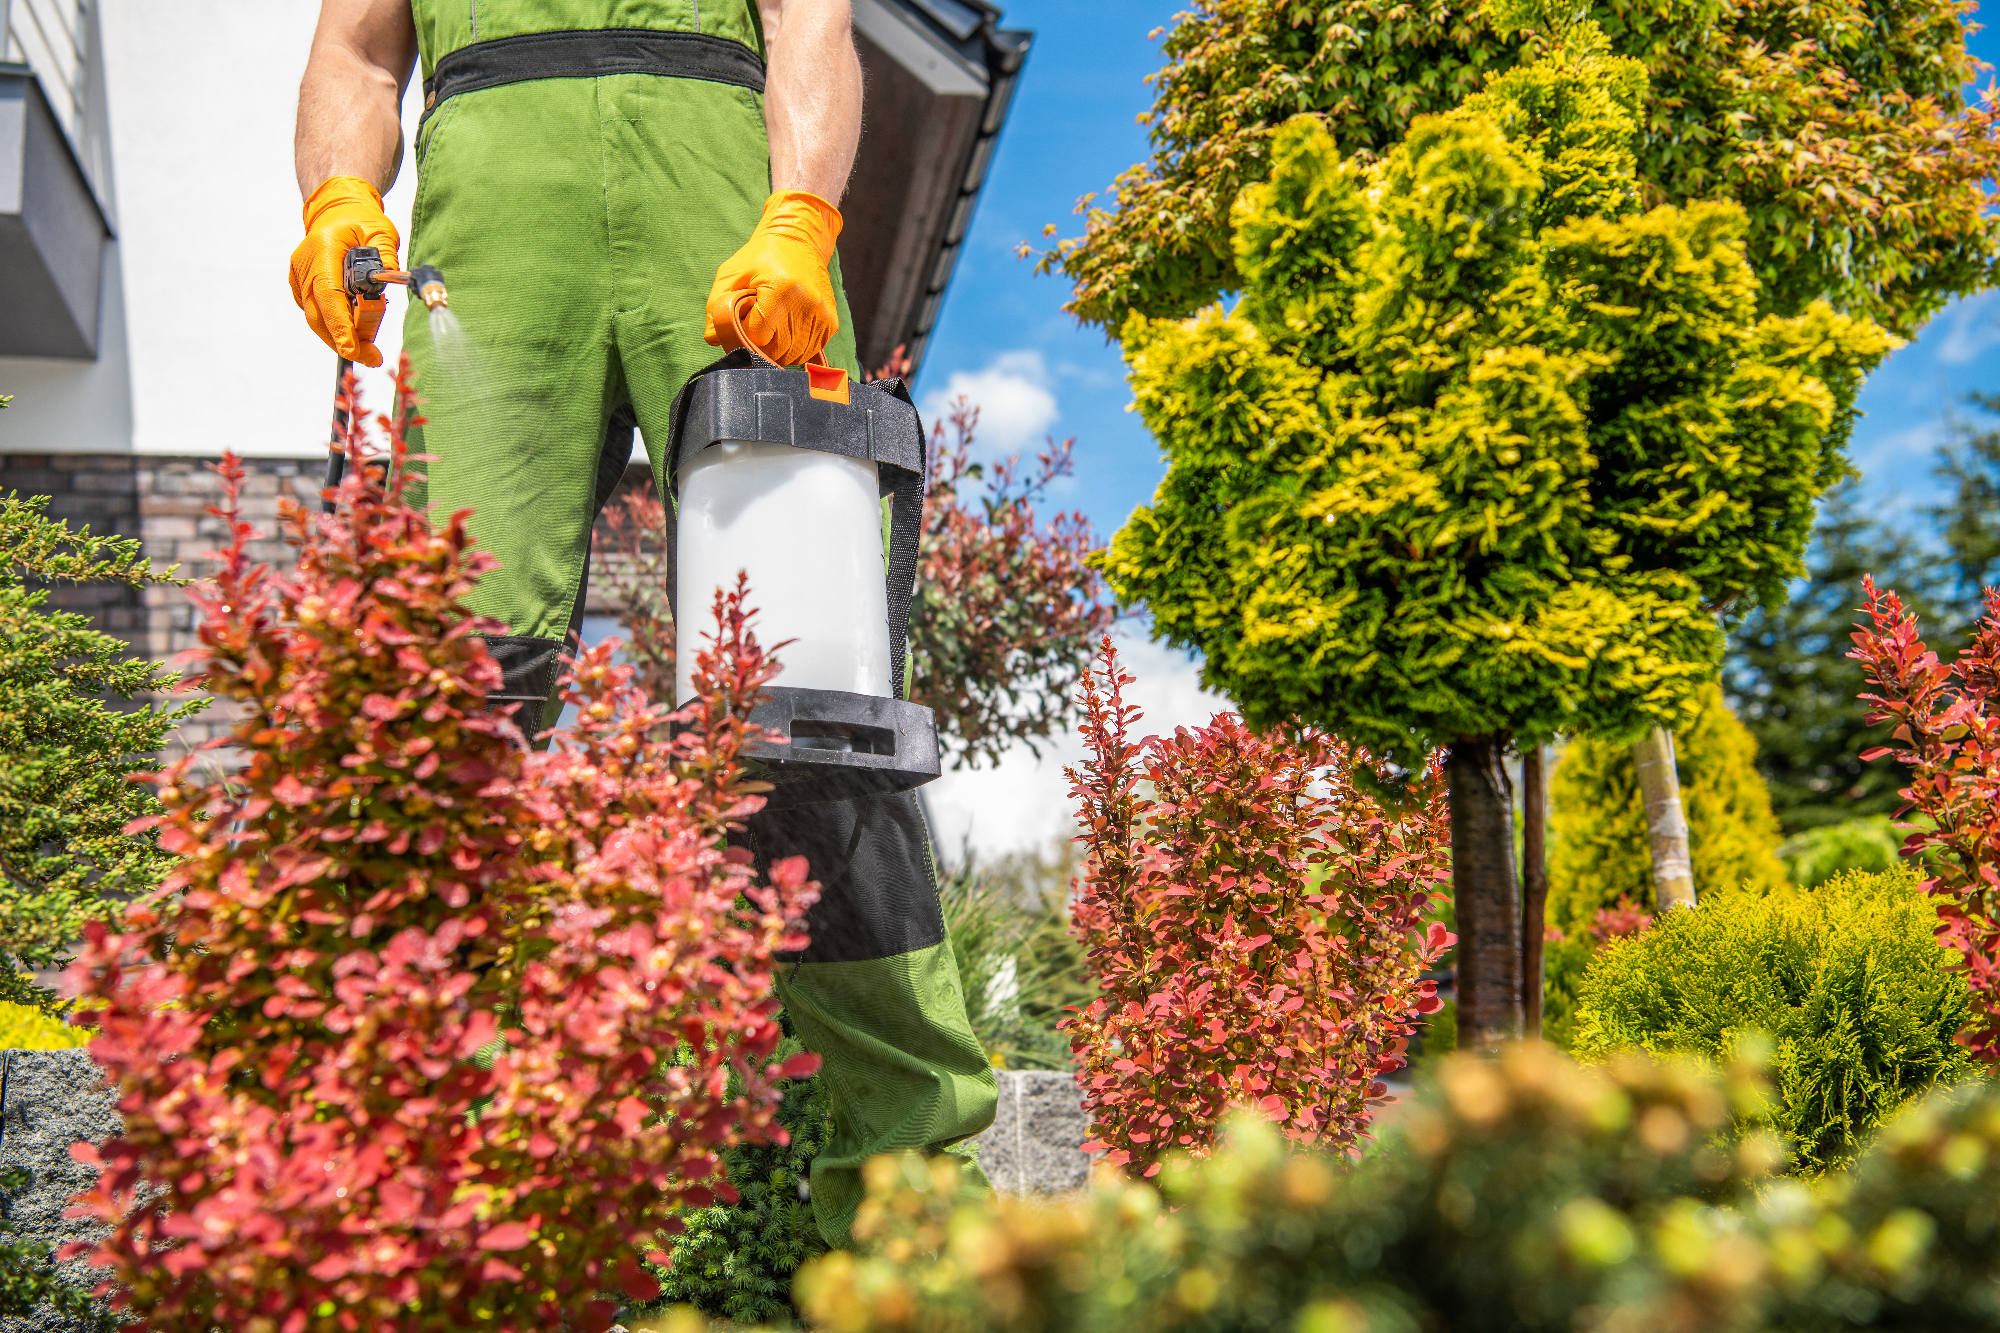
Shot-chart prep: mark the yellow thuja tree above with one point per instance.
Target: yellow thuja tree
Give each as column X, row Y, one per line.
column 1844, row 131
column 1484, row 450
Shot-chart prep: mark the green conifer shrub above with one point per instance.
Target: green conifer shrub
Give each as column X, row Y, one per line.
column 736, row 1260
column 1869, row 845
column 1969, row 519
column 1792, row 683
column 1482, row 450
column 1848, row 981
column 67, row 751
column 1598, row 851
column 71, row 738
column 1790, row 675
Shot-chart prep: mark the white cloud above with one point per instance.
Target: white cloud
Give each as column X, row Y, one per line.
column 1970, row 327
column 1024, row 804
column 1016, row 406
column 1918, row 440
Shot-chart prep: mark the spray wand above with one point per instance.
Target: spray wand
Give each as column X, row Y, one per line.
column 366, row 278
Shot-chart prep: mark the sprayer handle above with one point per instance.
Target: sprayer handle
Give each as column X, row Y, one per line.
column 361, row 274
column 336, row 457
column 743, row 339
column 824, row 381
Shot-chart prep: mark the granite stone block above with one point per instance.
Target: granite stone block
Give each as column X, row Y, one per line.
column 1035, row 1144
column 53, row 1099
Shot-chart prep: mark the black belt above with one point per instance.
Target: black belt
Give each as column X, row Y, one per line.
column 589, row 55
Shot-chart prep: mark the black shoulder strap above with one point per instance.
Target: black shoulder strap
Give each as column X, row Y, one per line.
column 906, row 532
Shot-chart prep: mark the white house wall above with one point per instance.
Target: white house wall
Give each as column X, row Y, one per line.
column 201, row 347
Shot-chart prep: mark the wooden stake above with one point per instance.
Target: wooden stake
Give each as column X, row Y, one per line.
column 1666, row 820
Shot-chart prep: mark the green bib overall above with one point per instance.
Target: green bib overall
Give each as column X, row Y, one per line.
column 579, row 222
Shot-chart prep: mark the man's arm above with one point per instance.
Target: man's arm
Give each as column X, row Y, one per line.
column 812, row 94
column 346, row 151
column 351, row 99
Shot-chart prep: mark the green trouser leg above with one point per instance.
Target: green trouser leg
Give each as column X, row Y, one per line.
column 877, row 994
column 579, row 223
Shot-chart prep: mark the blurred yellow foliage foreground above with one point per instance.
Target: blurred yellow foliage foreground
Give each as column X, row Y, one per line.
column 1526, row 1192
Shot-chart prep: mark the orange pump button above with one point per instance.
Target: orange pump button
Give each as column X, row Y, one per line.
column 827, row 382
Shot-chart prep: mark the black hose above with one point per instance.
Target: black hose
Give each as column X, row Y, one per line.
column 336, row 459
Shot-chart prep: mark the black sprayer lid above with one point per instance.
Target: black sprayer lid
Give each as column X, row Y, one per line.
column 742, row 397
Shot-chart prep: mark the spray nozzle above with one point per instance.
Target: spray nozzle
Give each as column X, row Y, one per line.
column 366, row 277
column 428, row 284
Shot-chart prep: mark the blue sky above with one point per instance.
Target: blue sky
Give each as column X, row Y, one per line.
column 1911, row 399
column 1003, row 335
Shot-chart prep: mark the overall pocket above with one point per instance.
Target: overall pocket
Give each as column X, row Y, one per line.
column 429, row 127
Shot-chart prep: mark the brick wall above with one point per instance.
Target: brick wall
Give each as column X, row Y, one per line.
column 164, row 502
column 101, row 494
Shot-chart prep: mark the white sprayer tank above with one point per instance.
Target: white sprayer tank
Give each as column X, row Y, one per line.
column 807, row 528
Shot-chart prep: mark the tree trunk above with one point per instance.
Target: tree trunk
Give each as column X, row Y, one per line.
column 1487, row 895
column 1666, row 821
column 1534, row 885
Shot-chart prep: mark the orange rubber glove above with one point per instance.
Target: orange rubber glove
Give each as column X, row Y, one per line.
column 345, row 211
column 777, row 284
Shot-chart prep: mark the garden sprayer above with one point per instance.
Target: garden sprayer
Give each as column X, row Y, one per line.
column 780, row 473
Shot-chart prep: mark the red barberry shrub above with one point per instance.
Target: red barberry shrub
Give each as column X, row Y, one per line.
column 1947, row 731
column 387, row 885
column 1257, row 923
column 1007, row 607
column 1616, row 922
column 897, row 367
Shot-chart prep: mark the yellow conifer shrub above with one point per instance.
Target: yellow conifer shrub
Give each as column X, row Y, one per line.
column 1598, row 851
column 1860, row 1002
column 26, row 1028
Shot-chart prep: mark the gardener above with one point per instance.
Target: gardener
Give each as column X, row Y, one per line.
column 602, row 182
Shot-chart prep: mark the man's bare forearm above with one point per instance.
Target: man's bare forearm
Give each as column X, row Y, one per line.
column 350, row 101
column 812, row 94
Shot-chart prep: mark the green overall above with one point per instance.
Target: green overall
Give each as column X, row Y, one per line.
column 579, row 222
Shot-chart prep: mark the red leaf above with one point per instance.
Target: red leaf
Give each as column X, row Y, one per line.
column 506, row 1236
column 635, row 1281
column 803, row 1065
column 291, row 791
